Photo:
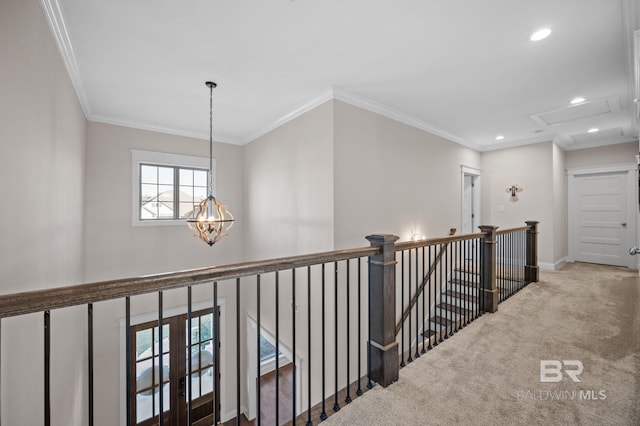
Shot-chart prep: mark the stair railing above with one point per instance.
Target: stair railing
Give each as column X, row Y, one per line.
column 338, row 327
column 424, row 282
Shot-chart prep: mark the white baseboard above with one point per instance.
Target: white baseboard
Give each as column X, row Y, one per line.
column 553, row 266
column 225, row 417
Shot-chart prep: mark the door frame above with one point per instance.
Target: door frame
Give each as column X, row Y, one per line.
column 170, row 312
column 471, row 171
column 252, row 371
column 632, row 206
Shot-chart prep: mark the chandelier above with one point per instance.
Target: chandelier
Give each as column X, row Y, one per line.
column 210, row 220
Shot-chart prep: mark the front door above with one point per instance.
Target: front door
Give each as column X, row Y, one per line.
column 602, row 217
column 177, row 343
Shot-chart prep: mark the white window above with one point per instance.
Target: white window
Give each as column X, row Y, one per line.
column 166, row 187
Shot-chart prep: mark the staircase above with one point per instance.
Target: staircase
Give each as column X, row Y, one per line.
column 456, row 306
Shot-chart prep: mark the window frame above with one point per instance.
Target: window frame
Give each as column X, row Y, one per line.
column 161, row 159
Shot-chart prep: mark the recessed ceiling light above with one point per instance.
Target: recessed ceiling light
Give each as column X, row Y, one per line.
column 499, row 137
column 577, row 100
column 593, row 130
column 540, row 34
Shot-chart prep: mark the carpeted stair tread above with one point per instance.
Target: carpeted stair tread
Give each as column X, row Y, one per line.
column 429, row 333
column 453, row 308
column 459, row 295
column 442, row 321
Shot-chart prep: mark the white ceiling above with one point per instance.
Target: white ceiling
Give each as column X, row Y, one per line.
column 464, row 69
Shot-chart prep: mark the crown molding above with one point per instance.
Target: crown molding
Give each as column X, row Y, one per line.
column 377, row 108
column 517, row 143
column 165, row 130
column 55, row 18
column 297, row 112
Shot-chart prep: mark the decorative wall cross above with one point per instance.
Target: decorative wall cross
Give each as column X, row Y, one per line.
column 513, row 189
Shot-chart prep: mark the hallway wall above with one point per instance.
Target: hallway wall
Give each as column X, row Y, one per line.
column 42, row 152
column 532, row 168
column 393, row 178
column 116, row 249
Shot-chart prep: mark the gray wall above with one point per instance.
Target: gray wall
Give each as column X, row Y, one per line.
column 289, row 187
column 532, row 168
column 116, row 249
column 42, row 150
column 393, row 178
column 602, row 155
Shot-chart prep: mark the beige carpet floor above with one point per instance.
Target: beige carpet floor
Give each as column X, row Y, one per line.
column 489, row 372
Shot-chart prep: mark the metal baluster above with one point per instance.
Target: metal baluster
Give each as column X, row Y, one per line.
column 408, row 254
column 216, row 350
column 258, row 331
column 359, row 390
column 90, row 361
column 447, row 283
column 277, row 419
column 238, row 419
column 438, row 294
column 161, row 356
column 417, row 354
column 154, row 334
column 505, row 266
column 424, row 287
column 47, row 368
column 500, row 267
column 323, row 414
column 348, row 397
column 429, row 249
column 511, row 257
column 456, row 272
column 523, row 255
column 127, row 344
column 511, row 252
column 451, row 259
column 369, row 383
column 468, row 276
column 402, row 364
column 465, row 280
column 479, row 281
column 480, row 305
column 503, row 261
column 293, row 348
column 336, row 406
column 198, row 343
column 309, row 423
column 189, row 384
column 505, row 253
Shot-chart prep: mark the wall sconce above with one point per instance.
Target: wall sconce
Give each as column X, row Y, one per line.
column 417, row 237
column 513, row 189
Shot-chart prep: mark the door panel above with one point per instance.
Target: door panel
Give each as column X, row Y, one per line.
column 177, row 343
column 602, row 220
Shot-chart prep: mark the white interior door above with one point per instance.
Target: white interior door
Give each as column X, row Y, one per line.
column 470, row 206
column 602, row 216
column 468, row 214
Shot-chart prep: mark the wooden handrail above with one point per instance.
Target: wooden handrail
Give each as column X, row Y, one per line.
column 511, row 230
column 406, row 245
column 62, row 297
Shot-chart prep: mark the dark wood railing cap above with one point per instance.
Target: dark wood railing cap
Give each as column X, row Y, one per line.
column 62, row 297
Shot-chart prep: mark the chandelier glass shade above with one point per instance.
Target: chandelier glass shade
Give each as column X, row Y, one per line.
column 210, row 220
